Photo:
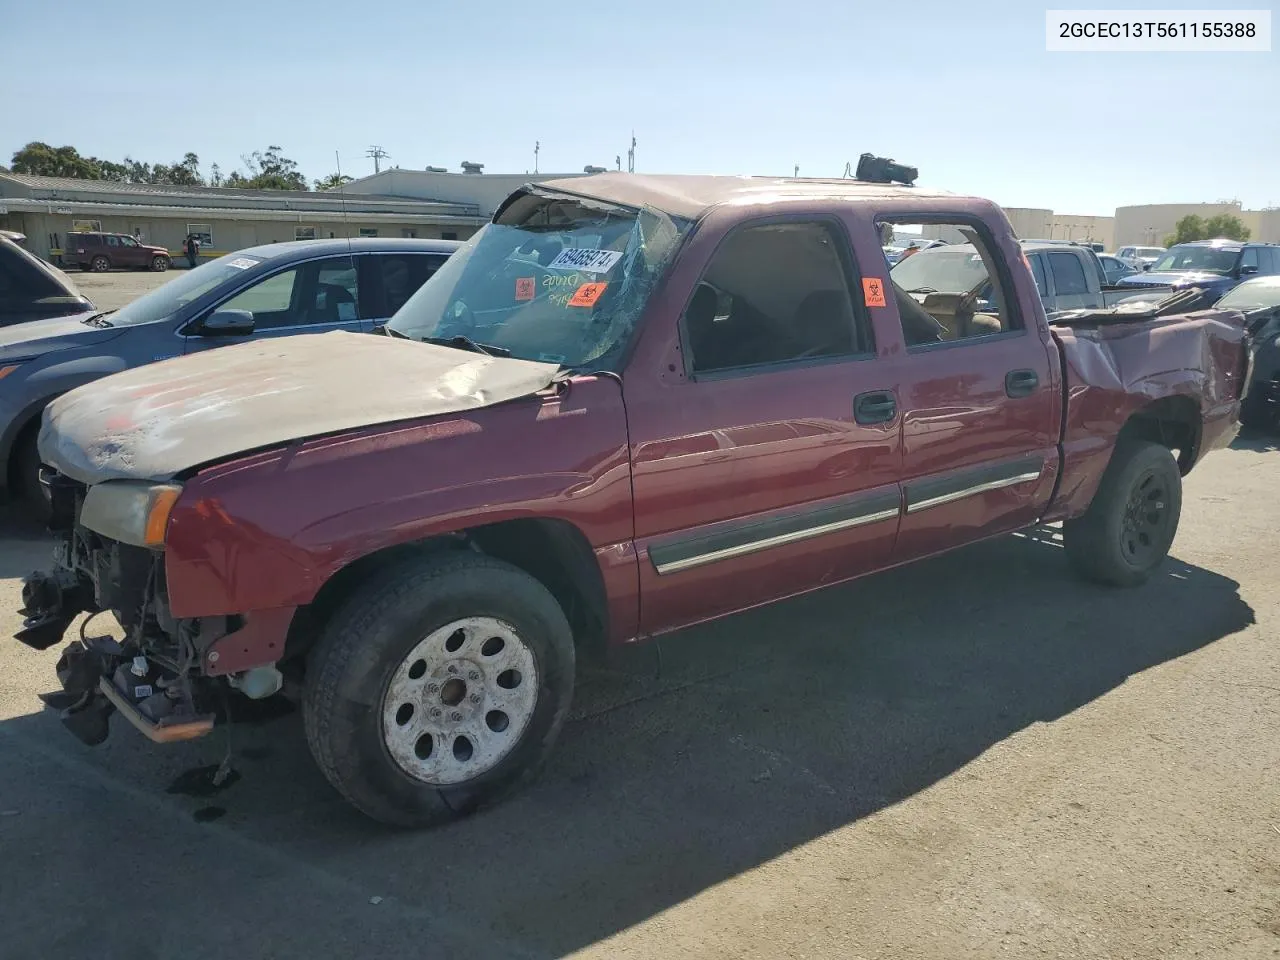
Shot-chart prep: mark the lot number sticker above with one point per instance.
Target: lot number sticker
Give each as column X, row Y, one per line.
column 588, row 261
column 873, row 291
column 587, row 295
column 242, row 263
column 525, row 288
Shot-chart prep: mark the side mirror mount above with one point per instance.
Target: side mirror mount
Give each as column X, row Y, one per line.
column 228, row 323
column 1248, row 268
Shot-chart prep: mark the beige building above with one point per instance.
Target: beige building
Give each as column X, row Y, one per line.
column 484, row 191
column 1035, row 223
column 1151, row 223
column 46, row 209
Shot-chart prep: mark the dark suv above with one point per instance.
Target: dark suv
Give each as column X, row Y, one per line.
column 31, row 289
column 101, row 252
column 1213, row 265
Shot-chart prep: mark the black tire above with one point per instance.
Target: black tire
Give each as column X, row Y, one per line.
column 366, row 641
column 1126, row 533
column 159, row 263
column 1254, row 413
column 35, row 499
column 100, row 265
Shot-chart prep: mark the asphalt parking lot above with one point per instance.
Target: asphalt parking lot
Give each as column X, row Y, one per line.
column 977, row 756
column 111, row 291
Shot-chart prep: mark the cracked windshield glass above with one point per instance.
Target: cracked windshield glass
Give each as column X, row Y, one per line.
column 555, row 279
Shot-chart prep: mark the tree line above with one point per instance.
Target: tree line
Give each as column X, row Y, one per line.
column 1192, row 227
column 266, row 169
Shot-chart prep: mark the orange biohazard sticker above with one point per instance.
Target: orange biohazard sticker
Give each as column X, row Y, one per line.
column 587, row 294
column 525, row 288
column 873, row 291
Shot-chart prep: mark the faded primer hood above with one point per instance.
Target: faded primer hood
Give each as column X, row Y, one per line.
column 156, row 421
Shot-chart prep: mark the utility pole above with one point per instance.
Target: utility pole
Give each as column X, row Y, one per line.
column 631, row 154
column 377, row 153
column 537, row 146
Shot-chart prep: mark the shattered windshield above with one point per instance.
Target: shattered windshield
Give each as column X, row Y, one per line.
column 1206, row 259
column 557, row 279
column 166, row 300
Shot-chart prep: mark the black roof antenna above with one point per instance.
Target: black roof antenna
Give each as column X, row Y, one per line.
column 873, row 169
column 342, row 198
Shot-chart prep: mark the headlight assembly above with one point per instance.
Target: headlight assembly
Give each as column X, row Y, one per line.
column 130, row 511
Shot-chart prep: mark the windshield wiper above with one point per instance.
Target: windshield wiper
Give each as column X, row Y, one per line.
column 388, row 331
column 99, row 319
column 461, row 342
column 923, row 290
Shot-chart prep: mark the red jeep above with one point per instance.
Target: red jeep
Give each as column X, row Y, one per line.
column 628, row 404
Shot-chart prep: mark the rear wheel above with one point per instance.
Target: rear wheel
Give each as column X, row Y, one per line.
column 438, row 689
column 100, row 265
column 159, row 263
column 1130, row 525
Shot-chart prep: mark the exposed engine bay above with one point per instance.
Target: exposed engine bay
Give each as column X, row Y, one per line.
column 152, row 675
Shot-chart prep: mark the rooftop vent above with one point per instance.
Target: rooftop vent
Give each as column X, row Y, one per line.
column 469, row 167
column 590, row 169
column 437, row 169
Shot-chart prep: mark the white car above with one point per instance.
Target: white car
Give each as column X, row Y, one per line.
column 1140, row 257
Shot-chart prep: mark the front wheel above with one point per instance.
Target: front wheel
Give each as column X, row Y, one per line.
column 159, row 263
column 35, row 495
column 1129, row 527
column 439, row 690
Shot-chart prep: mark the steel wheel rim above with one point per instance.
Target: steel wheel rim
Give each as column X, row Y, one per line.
column 460, row 701
column 1146, row 520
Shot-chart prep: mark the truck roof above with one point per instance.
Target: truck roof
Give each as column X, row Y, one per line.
column 692, row 196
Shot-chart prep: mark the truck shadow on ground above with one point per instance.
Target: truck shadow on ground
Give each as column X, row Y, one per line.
column 1259, row 441
column 761, row 733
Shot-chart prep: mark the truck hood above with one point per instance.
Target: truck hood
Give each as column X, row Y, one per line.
column 157, row 421
column 1177, row 278
column 38, row 337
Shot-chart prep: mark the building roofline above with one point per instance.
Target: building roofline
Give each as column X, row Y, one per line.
column 335, row 213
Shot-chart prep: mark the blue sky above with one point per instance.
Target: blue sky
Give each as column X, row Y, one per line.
column 963, row 90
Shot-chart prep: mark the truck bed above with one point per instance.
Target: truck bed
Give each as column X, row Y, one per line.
column 1184, row 368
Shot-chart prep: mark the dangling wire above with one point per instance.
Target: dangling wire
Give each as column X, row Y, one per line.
column 84, row 624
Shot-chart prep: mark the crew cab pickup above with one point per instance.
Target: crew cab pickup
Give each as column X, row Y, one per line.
column 626, row 405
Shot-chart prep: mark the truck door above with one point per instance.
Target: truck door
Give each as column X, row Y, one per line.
column 981, row 408
column 764, row 433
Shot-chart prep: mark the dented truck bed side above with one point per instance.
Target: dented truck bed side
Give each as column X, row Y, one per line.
column 1185, row 369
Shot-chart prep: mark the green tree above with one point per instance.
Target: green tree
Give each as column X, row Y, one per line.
column 268, row 170
column 332, row 181
column 40, row 159
column 1192, row 227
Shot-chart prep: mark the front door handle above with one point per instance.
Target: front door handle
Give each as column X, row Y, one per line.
column 1021, row 383
column 878, row 406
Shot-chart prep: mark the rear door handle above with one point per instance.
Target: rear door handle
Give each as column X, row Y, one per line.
column 1021, row 383
column 878, row 406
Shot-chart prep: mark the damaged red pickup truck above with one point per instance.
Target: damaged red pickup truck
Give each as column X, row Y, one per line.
column 626, row 405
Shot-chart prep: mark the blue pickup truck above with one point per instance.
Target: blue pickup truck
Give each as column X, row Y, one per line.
column 1213, row 265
